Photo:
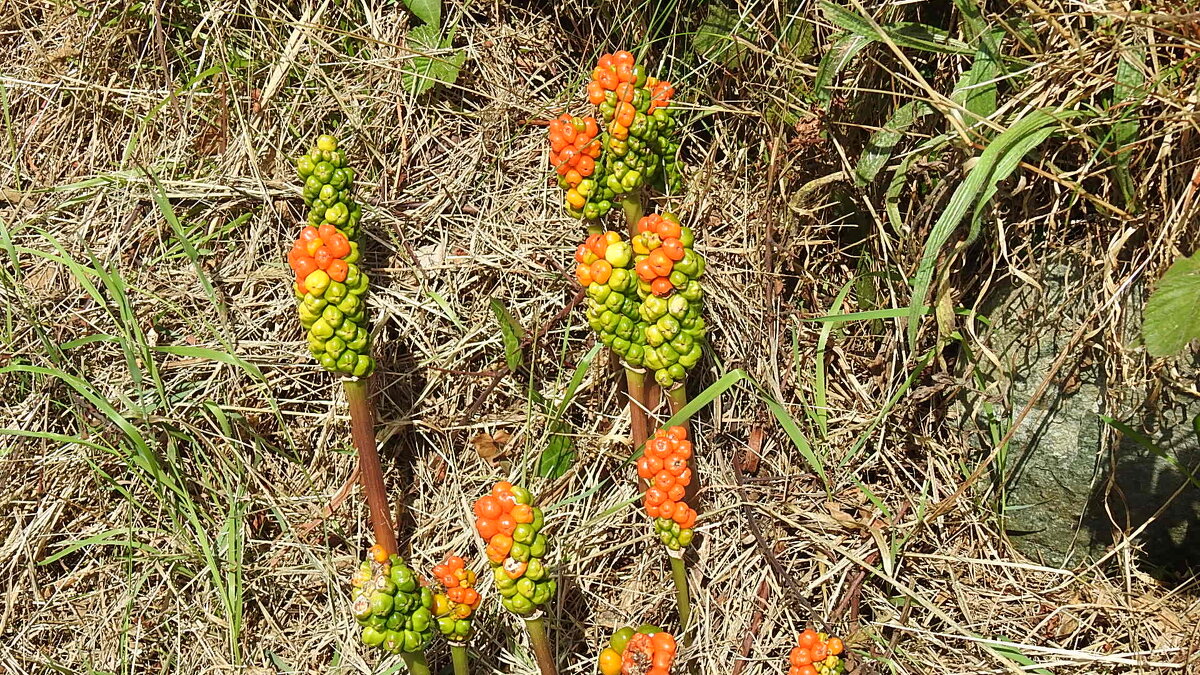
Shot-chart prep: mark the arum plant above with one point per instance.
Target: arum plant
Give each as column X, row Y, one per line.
column 516, row 549
column 330, row 287
column 600, row 163
column 816, row 654
column 454, row 606
column 663, row 467
column 647, row 650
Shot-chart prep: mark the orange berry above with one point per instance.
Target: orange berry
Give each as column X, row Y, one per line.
column 808, row 638
column 440, row 571
column 661, row 286
column 794, row 670
column 835, row 646
column 522, row 513
column 654, row 510
column 644, row 271
column 338, row 269
column 808, row 670
column 819, row 652
column 601, row 271
column 677, row 433
column 676, row 492
column 621, row 57
column 608, row 79
column 309, row 233
column 378, row 553
column 663, row 642
column 595, row 93
column 487, row 528
column 470, row 597
column 655, row 496
column 305, row 266
column 506, row 524
column 488, row 507
column 682, row 512
column 667, row 509
column 668, row 229
column 661, row 660
column 683, row 449
column 323, row 257
column 663, row 480
column 584, row 274
column 684, row 478
column 326, row 232
column 675, row 465
column 658, row 447
column 673, row 248
column 502, row 543
column 653, row 465
column 691, row 520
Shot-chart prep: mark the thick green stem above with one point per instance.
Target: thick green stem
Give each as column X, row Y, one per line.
column 362, row 430
column 541, row 645
column 677, row 397
column 462, row 660
column 415, row 662
column 679, row 573
column 632, row 203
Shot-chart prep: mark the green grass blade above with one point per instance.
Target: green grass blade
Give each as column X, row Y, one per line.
column 883, row 142
column 998, row 160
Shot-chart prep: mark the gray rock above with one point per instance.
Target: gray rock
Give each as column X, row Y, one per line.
column 1064, row 487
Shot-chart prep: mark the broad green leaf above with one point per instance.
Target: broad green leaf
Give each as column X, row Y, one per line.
column 998, row 160
column 559, row 454
column 421, row 72
column 512, row 332
column 1127, row 94
column 797, row 42
column 717, row 38
column 883, row 142
column 903, row 33
column 840, row 54
column 429, row 11
column 975, row 90
column 1171, row 320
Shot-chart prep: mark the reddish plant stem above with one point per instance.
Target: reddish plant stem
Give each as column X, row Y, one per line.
column 635, row 384
column 677, row 398
column 362, row 429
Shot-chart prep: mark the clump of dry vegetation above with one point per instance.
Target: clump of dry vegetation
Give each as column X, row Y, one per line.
column 169, row 453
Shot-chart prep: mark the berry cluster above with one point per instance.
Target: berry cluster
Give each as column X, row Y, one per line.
column 516, row 547
column 329, row 283
column 651, row 318
column 391, row 605
column 574, row 154
column 637, row 143
column 647, row 650
column 605, row 271
column 636, row 110
column 454, row 607
column 816, row 654
column 664, row 467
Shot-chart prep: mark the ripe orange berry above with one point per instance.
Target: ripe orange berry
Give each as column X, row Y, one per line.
column 808, row 638
column 661, row 286
column 835, row 646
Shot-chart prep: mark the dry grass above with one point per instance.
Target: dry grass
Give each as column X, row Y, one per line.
column 112, row 564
